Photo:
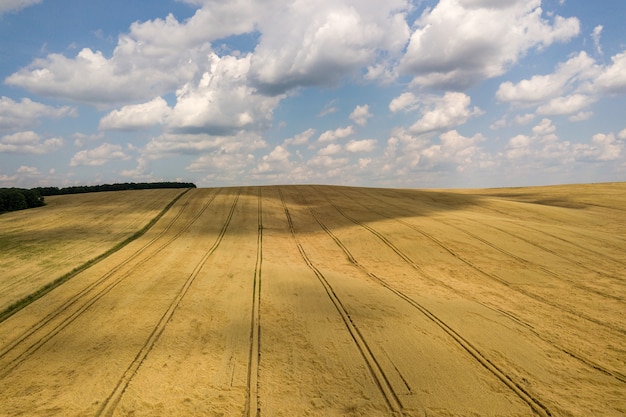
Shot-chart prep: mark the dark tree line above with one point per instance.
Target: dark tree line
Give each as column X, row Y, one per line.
column 12, row 199
column 45, row 191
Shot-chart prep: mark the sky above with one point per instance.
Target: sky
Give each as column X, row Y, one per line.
column 394, row 93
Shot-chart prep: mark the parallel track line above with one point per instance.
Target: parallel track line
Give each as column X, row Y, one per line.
column 110, row 404
column 90, row 298
column 252, row 408
column 374, row 367
column 536, row 405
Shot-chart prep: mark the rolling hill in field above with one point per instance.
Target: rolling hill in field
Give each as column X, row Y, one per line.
column 317, row 301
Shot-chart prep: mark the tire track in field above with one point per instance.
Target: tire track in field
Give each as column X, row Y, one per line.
column 59, row 281
column 535, row 404
column 252, row 408
column 584, row 248
column 615, row 374
column 374, row 367
column 587, row 249
column 489, row 275
column 91, row 294
column 529, row 263
column 46, row 270
column 110, row 403
column 525, row 261
column 71, row 301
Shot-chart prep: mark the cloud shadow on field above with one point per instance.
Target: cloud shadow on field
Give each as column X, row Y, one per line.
column 365, row 205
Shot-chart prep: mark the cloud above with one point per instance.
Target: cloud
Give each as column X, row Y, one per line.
column 544, row 149
column 279, row 153
column 442, row 113
column 131, row 74
column 29, row 142
column 462, row 42
column 454, row 149
column 30, row 171
column 228, row 165
column 99, row 156
column 169, row 144
column 222, row 102
column 153, row 58
column 406, row 154
column 573, row 86
column 539, row 88
column 26, row 113
column 330, row 149
column 325, row 41
column 545, row 127
column 360, row 115
column 523, row 119
column 8, row 6
column 329, row 108
column 81, row 138
column 580, row 116
column 136, row 117
column 140, row 172
column 406, row 101
column 595, row 35
column 612, row 80
column 340, row 133
column 565, row 105
column 365, row 145
column 300, row 138
column 607, row 147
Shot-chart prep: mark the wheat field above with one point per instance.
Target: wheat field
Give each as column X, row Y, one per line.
column 318, row 301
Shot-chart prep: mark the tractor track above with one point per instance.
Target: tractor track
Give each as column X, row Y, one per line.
column 91, row 294
column 252, row 408
column 376, row 371
column 615, row 374
column 110, row 403
column 535, row 404
column 546, row 270
column 48, row 270
column 476, row 268
column 584, row 248
column 587, row 249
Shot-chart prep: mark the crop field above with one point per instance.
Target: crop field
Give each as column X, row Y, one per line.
column 51, row 241
column 318, row 301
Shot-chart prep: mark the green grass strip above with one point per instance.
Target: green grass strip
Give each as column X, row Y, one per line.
column 20, row 304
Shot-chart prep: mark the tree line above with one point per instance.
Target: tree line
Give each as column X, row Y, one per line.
column 12, row 199
column 79, row 189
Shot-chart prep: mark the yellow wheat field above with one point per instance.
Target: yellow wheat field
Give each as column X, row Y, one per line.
column 323, row 301
column 41, row 244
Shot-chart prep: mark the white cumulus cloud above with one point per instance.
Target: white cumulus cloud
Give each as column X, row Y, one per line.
column 365, row 145
column 99, row 156
column 461, row 42
column 222, row 102
column 29, row 142
column 405, row 101
column 340, row 133
column 18, row 115
column 138, row 116
column 360, row 115
column 324, row 41
column 442, row 113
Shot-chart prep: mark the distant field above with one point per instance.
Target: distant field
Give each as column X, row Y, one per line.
column 319, row 301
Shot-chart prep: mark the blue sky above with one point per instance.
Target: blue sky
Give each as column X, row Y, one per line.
column 425, row 94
